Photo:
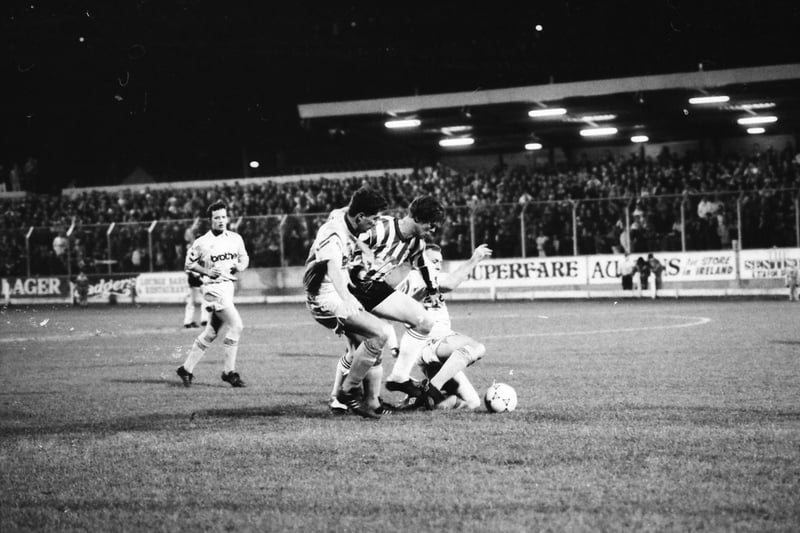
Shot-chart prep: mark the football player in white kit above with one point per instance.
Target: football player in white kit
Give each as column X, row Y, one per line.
column 330, row 302
column 447, row 353
column 217, row 256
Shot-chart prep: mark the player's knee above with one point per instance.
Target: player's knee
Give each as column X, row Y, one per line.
column 474, row 352
column 389, row 332
column 424, row 324
column 374, row 347
column 379, row 337
column 235, row 331
column 480, row 351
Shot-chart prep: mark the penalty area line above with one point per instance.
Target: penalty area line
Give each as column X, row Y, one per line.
column 694, row 321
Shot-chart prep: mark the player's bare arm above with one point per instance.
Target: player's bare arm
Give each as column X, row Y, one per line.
column 451, row 281
column 351, row 306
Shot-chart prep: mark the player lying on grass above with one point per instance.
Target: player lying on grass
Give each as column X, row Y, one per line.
column 447, row 353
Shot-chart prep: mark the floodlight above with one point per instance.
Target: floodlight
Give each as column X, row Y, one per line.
column 547, row 112
column 457, row 141
column 699, row 100
column 402, row 123
column 766, row 119
column 598, row 132
column 598, row 118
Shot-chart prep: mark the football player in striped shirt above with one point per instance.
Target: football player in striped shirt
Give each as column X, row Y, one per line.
column 332, row 304
column 217, row 256
column 392, row 242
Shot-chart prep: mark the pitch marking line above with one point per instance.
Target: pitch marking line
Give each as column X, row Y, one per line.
column 694, row 321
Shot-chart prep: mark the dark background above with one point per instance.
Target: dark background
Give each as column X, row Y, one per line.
column 189, row 90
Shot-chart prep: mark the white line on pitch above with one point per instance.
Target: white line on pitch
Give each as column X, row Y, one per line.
column 696, row 321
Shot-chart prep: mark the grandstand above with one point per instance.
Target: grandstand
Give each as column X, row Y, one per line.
column 667, row 203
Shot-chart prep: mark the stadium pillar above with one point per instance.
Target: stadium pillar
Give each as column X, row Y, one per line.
column 522, row 234
column 796, row 221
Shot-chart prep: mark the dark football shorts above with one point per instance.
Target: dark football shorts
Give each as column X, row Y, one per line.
column 371, row 293
column 194, row 281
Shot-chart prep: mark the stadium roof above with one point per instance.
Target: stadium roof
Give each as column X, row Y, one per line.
column 193, row 88
column 663, row 108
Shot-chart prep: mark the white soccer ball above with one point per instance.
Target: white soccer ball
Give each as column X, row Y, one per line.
column 500, row 398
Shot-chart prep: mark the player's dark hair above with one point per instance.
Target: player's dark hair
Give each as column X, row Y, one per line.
column 367, row 201
column 426, row 209
column 219, row 204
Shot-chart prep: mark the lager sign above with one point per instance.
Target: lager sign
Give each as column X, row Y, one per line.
column 51, row 289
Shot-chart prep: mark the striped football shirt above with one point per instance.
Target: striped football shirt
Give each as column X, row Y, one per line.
column 390, row 249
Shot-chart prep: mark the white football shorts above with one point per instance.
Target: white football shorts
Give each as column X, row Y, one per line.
column 218, row 295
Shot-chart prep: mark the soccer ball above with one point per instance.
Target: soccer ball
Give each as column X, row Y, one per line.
column 500, row 398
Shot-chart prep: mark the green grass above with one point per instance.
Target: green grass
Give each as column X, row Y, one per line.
column 629, row 418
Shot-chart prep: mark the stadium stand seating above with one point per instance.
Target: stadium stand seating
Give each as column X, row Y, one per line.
column 556, row 209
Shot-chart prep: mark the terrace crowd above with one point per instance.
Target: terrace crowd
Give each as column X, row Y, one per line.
column 591, row 201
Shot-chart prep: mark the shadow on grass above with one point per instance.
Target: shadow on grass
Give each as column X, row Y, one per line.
column 293, row 411
column 306, row 354
column 787, row 343
column 172, row 422
column 170, row 383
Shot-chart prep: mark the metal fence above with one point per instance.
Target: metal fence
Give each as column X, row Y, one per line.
column 753, row 219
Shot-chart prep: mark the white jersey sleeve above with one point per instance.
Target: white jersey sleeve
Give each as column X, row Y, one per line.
column 333, row 242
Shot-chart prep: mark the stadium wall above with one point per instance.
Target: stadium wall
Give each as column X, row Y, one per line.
column 717, row 273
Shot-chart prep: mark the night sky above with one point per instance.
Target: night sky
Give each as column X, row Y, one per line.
column 189, row 89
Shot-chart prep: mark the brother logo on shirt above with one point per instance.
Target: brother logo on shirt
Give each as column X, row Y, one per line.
column 224, row 257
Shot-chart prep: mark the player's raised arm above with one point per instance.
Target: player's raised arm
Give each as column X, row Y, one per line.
column 449, row 282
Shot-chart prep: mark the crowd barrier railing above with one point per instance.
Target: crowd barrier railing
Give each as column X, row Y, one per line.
column 646, row 223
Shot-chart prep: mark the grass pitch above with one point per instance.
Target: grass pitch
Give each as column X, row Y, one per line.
column 635, row 415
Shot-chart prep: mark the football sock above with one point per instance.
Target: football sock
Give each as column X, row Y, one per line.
column 342, row 368
column 188, row 310
column 372, row 386
column 410, row 346
column 195, row 354
column 363, row 359
column 231, row 348
column 457, row 362
column 391, row 340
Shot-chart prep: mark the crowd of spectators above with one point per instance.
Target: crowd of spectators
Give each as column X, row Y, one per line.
column 619, row 202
